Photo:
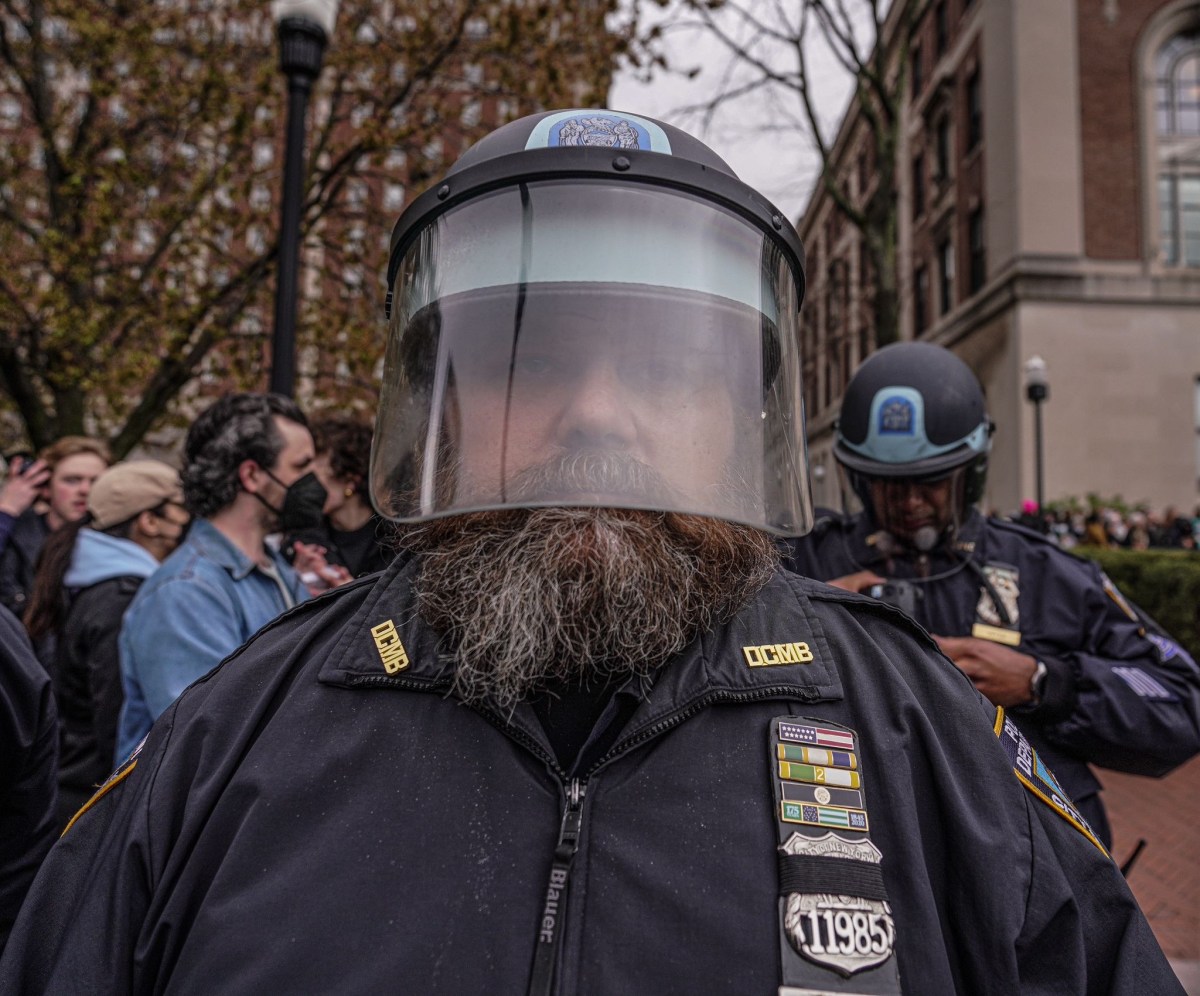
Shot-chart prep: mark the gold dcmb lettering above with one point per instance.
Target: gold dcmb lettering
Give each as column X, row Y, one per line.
column 391, row 650
column 770, row 654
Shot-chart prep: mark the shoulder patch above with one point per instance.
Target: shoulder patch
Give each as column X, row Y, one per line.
column 113, row 780
column 1037, row 778
column 1169, row 650
column 1113, row 592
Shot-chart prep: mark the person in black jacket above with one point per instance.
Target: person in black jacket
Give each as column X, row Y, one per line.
column 88, row 575
column 28, row 759
column 584, row 735
column 1086, row 676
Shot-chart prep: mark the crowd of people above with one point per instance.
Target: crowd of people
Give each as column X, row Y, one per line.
column 1110, row 526
column 600, row 725
column 132, row 579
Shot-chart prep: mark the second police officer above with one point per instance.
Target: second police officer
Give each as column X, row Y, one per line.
column 1086, row 677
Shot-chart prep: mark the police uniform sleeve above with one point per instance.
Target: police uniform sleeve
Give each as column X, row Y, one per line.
column 28, row 768
column 1083, row 930
column 80, row 927
column 1124, row 698
column 96, row 920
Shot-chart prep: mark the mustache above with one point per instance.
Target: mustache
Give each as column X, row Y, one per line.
column 573, row 475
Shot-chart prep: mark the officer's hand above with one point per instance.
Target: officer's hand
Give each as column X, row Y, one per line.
column 858, row 582
column 1001, row 674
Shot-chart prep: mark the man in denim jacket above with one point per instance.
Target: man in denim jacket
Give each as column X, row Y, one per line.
column 248, row 474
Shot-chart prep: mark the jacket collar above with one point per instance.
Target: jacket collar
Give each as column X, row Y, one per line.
column 215, row 546
column 775, row 647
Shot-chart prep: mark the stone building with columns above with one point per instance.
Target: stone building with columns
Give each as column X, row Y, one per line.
column 1048, row 175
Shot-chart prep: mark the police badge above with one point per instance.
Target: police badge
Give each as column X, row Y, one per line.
column 847, row 933
column 997, row 615
column 835, row 919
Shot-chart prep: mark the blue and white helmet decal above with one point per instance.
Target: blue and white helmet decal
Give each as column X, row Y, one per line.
column 606, row 129
column 897, row 416
column 896, row 431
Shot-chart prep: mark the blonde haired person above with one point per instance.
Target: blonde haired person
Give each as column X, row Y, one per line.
column 59, row 480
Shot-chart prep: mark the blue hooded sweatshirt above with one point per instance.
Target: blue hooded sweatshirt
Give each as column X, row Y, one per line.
column 98, row 557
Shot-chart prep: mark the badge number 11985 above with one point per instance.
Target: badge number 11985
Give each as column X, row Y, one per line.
column 846, row 933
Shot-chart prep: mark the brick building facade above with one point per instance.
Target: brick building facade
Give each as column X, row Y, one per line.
column 1048, row 179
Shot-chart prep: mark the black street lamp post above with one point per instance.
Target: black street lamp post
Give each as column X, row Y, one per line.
column 1037, row 390
column 304, row 30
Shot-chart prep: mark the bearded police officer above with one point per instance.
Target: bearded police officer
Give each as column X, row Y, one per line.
column 1084, row 674
column 584, row 735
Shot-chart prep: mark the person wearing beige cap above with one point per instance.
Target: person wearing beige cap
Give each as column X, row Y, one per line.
column 88, row 574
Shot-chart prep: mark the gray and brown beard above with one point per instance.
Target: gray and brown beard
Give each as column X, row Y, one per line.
column 526, row 597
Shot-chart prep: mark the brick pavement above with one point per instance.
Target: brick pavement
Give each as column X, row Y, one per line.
column 1166, row 878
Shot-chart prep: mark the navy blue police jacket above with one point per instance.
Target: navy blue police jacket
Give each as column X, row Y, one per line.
column 28, row 768
column 1117, row 694
column 320, row 814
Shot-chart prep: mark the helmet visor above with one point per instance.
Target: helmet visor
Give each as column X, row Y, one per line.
column 582, row 343
column 919, row 514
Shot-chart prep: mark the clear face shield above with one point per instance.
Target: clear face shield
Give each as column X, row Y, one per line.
column 582, row 343
column 913, row 516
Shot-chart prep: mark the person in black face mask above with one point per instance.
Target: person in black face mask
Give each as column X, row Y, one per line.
column 248, row 474
column 299, row 515
column 302, row 502
column 350, row 536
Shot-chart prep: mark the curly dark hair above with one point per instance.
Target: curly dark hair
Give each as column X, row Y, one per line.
column 347, row 440
column 235, row 428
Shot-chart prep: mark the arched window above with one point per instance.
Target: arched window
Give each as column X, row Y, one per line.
column 1177, row 142
column 1177, row 81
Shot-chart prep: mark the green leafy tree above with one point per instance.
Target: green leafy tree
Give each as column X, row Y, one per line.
column 140, row 162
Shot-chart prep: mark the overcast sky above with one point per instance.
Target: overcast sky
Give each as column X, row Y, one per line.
column 757, row 137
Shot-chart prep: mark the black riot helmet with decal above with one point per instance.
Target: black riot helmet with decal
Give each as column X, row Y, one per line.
column 590, row 309
column 914, row 432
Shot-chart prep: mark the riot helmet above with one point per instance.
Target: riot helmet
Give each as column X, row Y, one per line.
column 590, row 309
column 912, row 439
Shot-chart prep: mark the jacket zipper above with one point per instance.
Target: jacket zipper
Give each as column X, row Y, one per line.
column 550, row 927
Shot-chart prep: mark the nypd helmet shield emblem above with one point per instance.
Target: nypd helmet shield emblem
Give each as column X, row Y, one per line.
column 612, row 133
column 600, row 129
column 896, row 415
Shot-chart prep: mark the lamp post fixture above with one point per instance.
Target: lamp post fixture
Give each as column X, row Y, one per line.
column 1037, row 390
column 305, row 27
